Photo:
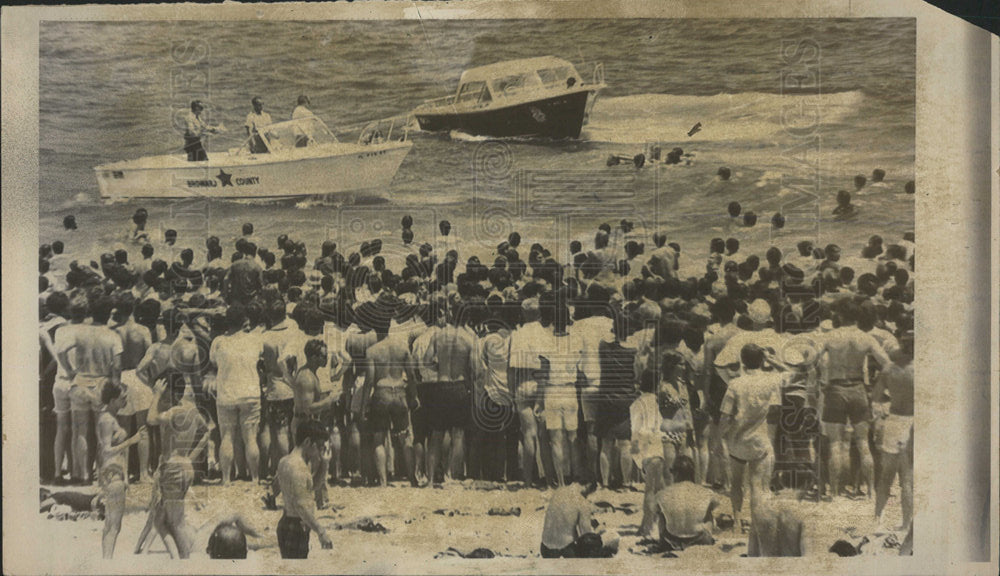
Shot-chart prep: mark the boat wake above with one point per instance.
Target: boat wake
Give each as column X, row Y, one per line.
column 743, row 117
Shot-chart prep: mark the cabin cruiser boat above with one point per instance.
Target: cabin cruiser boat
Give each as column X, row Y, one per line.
column 293, row 159
column 533, row 97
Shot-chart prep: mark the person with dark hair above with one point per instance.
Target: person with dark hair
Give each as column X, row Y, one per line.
column 96, row 351
column 112, row 442
column 684, row 510
column 256, row 126
column 136, row 340
column 896, row 443
column 569, row 529
column 194, row 129
column 844, row 210
column 845, row 399
column 278, row 343
column 745, row 425
column 294, row 480
column 55, row 334
column 390, row 385
column 228, row 540
column 234, row 356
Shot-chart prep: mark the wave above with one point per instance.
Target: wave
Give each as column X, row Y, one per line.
column 740, row 117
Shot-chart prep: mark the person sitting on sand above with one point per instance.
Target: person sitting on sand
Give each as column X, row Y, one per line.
column 844, row 210
column 777, row 529
column 568, row 531
column 684, row 510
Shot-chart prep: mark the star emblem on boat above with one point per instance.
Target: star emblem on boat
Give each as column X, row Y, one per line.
column 225, row 179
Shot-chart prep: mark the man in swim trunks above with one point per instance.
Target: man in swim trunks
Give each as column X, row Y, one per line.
column 97, row 352
column 295, row 480
column 684, row 509
column 136, row 339
column 113, row 443
column 389, row 376
column 845, row 399
column 897, row 436
column 451, row 353
column 279, row 343
column 568, row 531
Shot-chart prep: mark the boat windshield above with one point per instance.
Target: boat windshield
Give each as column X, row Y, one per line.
column 511, row 85
column 306, row 132
column 473, row 93
column 557, row 76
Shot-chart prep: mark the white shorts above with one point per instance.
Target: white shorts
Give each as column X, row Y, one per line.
column 138, row 396
column 561, row 408
column 897, row 433
column 60, row 394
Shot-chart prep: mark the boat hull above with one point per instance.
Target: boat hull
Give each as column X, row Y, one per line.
column 555, row 117
column 258, row 177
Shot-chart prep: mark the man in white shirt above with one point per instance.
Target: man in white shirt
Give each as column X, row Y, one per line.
column 194, row 129
column 303, row 129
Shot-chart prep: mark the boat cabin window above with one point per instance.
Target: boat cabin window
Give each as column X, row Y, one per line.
column 473, row 93
column 509, row 85
column 557, row 77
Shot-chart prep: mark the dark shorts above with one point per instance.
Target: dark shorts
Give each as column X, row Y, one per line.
column 333, row 416
column 293, row 538
column 586, row 546
column 613, row 422
column 679, row 543
column 278, row 413
column 716, row 393
column 447, row 405
column 389, row 410
column 846, row 402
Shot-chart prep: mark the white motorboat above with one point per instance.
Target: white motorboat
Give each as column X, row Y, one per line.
column 299, row 158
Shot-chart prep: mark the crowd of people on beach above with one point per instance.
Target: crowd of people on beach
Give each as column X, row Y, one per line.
column 178, row 361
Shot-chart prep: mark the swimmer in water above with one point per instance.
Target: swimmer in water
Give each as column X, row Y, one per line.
column 844, row 210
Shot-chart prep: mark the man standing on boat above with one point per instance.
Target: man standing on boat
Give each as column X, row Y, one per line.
column 194, row 129
column 257, row 122
column 303, row 129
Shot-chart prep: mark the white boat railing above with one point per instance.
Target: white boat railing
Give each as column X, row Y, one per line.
column 383, row 130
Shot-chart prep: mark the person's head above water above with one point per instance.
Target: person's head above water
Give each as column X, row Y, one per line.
column 735, row 209
column 859, row 182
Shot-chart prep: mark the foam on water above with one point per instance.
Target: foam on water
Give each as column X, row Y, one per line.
column 733, row 118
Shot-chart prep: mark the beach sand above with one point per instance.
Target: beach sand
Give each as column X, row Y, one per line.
column 422, row 524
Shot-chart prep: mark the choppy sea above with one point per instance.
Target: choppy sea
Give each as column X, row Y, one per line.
column 795, row 108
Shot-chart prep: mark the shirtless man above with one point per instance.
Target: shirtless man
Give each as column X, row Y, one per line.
column 389, row 362
column 845, row 399
column 295, row 480
column 136, row 339
column 309, row 405
column 568, row 531
column 113, row 443
column 278, row 343
column 97, row 351
column 777, row 529
column 684, row 509
column 452, row 354
column 897, row 438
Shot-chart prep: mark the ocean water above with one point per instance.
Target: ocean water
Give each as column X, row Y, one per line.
column 795, row 108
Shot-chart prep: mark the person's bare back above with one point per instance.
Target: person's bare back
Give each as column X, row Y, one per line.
column 389, row 358
column 453, row 349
